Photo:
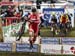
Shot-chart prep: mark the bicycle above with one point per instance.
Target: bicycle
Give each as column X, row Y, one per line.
column 53, row 29
column 63, row 29
column 69, row 26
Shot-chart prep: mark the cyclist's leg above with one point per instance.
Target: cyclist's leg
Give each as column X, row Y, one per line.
column 19, row 35
column 30, row 34
column 66, row 27
column 39, row 32
column 30, row 37
column 36, row 31
column 56, row 29
column 58, row 26
column 61, row 26
column 51, row 26
column 61, row 29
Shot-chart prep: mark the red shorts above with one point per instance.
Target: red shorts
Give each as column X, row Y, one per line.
column 34, row 28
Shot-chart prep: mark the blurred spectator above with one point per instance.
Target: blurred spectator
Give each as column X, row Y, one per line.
column 42, row 19
column 9, row 12
column 53, row 1
column 25, row 14
column 17, row 14
column 21, row 12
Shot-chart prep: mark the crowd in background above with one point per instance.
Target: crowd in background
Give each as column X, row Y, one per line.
column 20, row 13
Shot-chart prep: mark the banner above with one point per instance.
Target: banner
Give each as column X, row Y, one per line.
column 70, row 11
column 50, row 40
column 69, row 49
column 74, row 13
column 48, row 11
column 5, row 47
column 68, row 41
column 26, row 48
column 50, row 49
column 74, row 9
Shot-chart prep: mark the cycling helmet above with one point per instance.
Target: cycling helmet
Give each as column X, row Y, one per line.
column 33, row 9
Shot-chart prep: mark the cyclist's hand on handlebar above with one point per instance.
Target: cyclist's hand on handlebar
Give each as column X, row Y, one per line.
column 31, row 21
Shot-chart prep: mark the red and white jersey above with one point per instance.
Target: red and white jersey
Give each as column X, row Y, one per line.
column 41, row 14
column 35, row 18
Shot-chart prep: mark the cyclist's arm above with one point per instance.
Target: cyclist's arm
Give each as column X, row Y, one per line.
column 60, row 19
column 67, row 19
column 38, row 20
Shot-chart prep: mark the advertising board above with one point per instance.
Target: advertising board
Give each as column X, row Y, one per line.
column 69, row 49
column 50, row 40
column 5, row 47
column 50, row 49
column 68, row 41
column 26, row 48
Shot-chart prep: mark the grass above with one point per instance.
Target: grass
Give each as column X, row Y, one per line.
column 45, row 32
column 26, row 54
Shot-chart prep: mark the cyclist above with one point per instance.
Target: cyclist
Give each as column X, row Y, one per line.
column 34, row 20
column 63, row 21
column 69, row 22
column 54, row 23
